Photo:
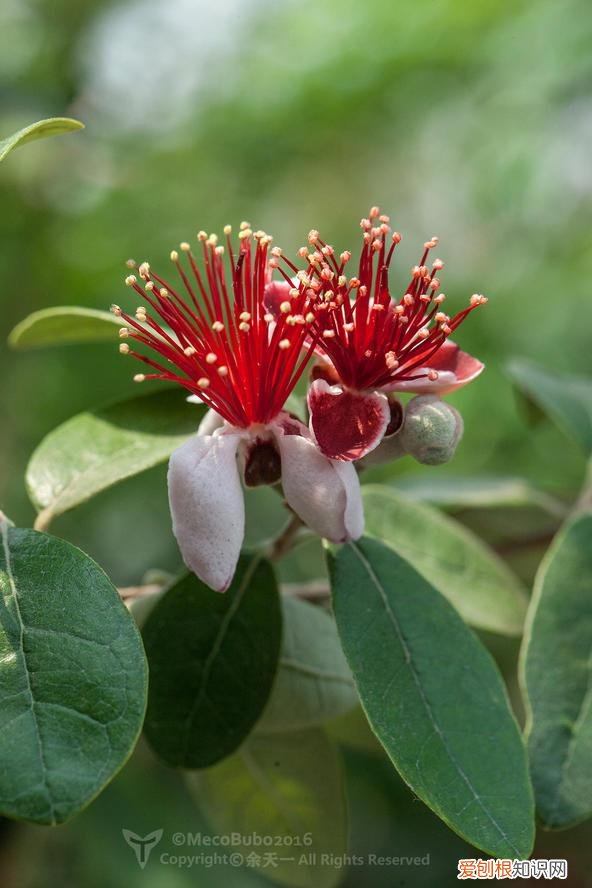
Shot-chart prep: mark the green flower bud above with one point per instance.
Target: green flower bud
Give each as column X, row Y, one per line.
column 431, row 430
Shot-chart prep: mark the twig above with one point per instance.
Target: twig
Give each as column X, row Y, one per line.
column 129, row 593
column 315, row 591
column 284, row 542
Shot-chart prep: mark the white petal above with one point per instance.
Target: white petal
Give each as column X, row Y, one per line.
column 210, row 423
column 325, row 494
column 207, row 506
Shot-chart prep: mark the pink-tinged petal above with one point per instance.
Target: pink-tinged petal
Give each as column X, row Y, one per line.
column 455, row 368
column 207, row 506
column 324, row 494
column 346, row 425
column 274, row 294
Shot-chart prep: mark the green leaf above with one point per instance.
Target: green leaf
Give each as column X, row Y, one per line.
column 457, row 563
column 288, row 790
column 213, row 659
column 72, row 678
column 566, row 399
column 53, row 126
column 313, row 683
column 99, row 448
column 434, row 698
column 556, row 672
column 485, row 492
column 64, row 324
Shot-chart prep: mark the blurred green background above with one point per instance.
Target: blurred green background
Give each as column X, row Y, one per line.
column 472, row 121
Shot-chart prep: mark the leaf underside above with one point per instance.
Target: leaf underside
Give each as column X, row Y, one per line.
column 556, row 672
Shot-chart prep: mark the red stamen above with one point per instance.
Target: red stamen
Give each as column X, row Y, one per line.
column 372, row 339
column 223, row 344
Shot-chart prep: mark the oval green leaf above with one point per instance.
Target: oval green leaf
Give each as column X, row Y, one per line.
column 213, row 659
column 289, row 790
column 556, row 672
column 52, row 126
column 456, row 562
column 434, row 698
column 99, row 448
column 72, row 678
column 567, row 400
column 64, row 324
column 485, row 492
column 313, row 682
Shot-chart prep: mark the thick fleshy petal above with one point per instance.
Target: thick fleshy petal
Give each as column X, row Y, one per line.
column 210, row 423
column 207, row 506
column 324, row 494
column 275, row 293
column 346, row 425
column 387, row 451
column 455, row 368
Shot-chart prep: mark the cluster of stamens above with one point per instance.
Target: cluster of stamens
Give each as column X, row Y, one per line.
column 372, row 339
column 218, row 339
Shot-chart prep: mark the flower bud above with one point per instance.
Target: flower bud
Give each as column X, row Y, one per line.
column 431, row 430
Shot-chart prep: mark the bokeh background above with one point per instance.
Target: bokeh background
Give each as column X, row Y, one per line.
column 472, row 121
